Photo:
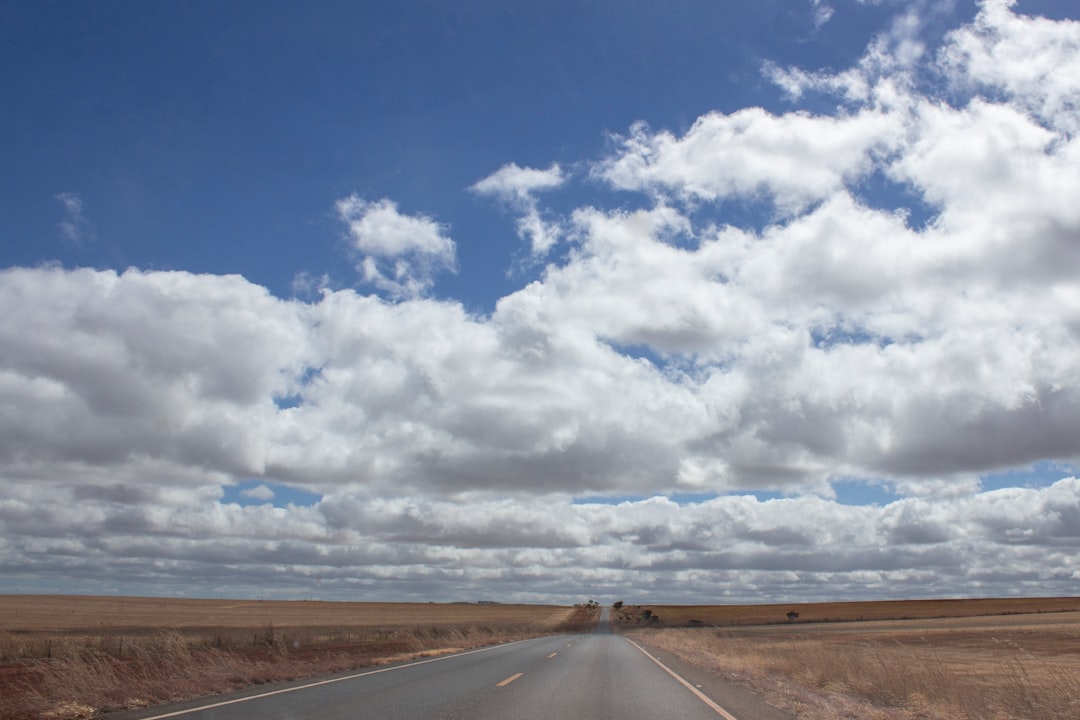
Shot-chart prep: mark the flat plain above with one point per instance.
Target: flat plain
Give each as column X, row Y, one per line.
column 70, row 613
column 727, row 615
column 985, row 659
column 73, row 656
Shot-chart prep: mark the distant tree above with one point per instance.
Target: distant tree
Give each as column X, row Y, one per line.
column 617, row 605
column 792, row 616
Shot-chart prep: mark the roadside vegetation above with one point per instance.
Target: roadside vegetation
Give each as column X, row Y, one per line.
column 69, row 657
column 992, row 667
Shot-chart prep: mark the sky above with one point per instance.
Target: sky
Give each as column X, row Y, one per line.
column 684, row 302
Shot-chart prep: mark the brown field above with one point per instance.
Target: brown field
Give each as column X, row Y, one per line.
column 948, row 661
column 726, row 615
column 69, row 613
column 72, row 657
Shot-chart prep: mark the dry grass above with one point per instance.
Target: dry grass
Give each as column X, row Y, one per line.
column 729, row 615
column 71, row 657
column 55, row 626
column 65, row 613
column 1021, row 666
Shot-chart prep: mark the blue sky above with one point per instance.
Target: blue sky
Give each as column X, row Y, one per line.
column 489, row 297
column 215, row 137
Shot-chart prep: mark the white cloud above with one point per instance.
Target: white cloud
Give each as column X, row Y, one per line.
column 822, row 11
column 668, row 350
column 259, row 492
column 853, row 85
column 170, row 366
column 74, row 228
column 518, row 183
column 794, row 159
column 736, row 547
column 400, row 253
column 378, row 229
column 517, row 187
column 904, row 39
column 1033, row 60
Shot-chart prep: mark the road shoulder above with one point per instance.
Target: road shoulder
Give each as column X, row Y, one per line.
column 741, row 702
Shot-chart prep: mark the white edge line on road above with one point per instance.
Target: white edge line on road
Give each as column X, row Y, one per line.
column 701, row 696
column 234, row 701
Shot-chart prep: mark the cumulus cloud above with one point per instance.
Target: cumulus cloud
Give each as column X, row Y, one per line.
column 793, row 160
column 518, row 183
column 669, row 351
column 400, row 254
column 259, row 492
column 517, row 187
column 903, row 42
column 1032, row 60
column 730, row 548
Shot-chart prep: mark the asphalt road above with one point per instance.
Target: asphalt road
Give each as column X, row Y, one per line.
column 599, row 676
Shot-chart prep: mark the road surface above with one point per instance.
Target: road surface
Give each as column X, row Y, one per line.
column 599, row 676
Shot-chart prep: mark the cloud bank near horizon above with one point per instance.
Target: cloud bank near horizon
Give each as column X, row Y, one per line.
column 906, row 316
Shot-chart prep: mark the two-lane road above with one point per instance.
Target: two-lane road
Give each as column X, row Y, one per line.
column 581, row 677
